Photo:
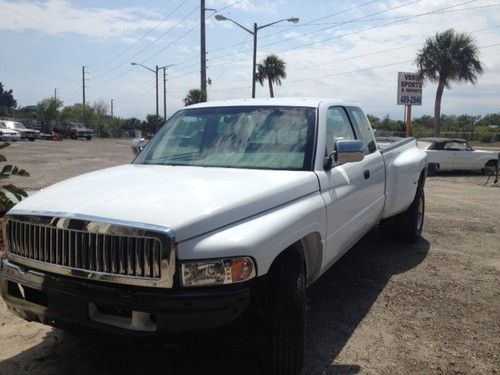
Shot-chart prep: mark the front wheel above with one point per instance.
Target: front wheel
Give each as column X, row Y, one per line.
column 409, row 223
column 89, row 138
column 287, row 314
column 490, row 168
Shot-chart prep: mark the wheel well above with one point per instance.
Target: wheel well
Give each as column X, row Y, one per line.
column 421, row 179
column 311, row 249
column 492, row 161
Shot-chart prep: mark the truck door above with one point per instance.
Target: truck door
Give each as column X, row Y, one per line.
column 373, row 186
column 349, row 205
column 463, row 157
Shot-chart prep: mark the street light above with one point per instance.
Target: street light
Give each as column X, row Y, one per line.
column 256, row 28
column 155, row 71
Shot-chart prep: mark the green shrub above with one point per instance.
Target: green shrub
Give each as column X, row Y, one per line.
column 10, row 194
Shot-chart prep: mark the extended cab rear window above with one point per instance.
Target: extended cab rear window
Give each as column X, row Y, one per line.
column 363, row 128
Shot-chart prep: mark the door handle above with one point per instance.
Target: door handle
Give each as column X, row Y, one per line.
column 366, row 174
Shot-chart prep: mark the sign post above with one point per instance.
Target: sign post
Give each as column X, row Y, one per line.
column 409, row 93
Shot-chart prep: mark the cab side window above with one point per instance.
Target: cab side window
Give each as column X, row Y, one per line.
column 338, row 127
column 363, row 128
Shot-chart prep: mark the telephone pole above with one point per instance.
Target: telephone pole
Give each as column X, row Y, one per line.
column 111, row 108
column 164, row 93
column 203, row 48
column 55, row 94
column 83, row 84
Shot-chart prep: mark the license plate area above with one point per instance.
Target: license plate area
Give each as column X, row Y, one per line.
column 122, row 318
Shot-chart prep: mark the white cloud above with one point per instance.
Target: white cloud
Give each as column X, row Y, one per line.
column 59, row 17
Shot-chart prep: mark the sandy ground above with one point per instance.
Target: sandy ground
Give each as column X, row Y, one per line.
column 384, row 308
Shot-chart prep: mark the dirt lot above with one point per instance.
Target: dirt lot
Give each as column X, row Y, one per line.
column 384, row 308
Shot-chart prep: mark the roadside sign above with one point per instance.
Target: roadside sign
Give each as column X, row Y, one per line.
column 409, row 89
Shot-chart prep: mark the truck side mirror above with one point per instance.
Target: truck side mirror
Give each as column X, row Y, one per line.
column 345, row 151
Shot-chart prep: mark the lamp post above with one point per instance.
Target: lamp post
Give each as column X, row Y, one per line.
column 155, row 71
column 256, row 28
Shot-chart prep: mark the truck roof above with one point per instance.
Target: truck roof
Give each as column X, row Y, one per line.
column 292, row 102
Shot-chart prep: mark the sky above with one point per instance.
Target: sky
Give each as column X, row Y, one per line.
column 340, row 49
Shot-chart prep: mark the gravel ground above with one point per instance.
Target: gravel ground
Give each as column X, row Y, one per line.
column 384, row 308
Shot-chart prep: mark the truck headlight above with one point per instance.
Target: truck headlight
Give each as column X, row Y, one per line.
column 217, row 271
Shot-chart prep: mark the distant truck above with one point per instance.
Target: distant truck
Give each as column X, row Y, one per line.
column 232, row 208
column 74, row 131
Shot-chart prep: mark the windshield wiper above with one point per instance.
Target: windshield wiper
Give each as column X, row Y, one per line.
column 173, row 157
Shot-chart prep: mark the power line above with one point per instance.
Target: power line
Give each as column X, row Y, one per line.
column 151, row 42
column 441, row 10
column 138, row 40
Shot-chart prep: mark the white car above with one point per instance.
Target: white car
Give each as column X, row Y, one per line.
column 446, row 154
column 232, row 207
column 26, row 133
column 7, row 134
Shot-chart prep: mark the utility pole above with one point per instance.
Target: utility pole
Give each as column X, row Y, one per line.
column 111, row 108
column 254, row 64
column 83, row 84
column 203, row 48
column 164, row 93
column 156, row 72
column 55, row 94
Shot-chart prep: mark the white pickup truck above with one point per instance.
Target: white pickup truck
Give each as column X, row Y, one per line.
column 232, row 209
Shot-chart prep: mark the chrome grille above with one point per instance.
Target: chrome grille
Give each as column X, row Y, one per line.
column 104, row 249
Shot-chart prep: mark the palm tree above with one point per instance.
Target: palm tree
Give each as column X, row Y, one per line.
column 448, row 56
column 195, row 96
column 273, row 69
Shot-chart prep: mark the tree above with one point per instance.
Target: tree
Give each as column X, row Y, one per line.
column 78, row 113
column 7, row 101
column 448, row 57
column 48, row 110
column 153, row 123
column 273, row 69
column 195, row 96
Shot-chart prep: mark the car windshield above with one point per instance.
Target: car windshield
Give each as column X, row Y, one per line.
column 423, row 145
column 17, row 125
column 270, row 137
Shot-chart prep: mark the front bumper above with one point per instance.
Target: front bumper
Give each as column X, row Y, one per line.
column 61, row 301
column 28, row 135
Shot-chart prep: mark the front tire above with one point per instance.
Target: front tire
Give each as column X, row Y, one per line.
column 287, row 314
column 490, row 168
column 409, row 224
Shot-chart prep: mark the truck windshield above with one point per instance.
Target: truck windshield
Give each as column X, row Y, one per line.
column 269, row 137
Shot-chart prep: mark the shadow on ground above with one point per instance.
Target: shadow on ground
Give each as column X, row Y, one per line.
column 337, row 303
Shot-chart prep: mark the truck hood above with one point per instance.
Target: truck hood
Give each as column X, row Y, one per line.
column 189, row 200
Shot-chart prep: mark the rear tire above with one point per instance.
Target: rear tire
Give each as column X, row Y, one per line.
column 409, row 224
column 287, row 314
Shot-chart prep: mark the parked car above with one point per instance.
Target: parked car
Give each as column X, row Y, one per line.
column 7, row 134
column 446, row 154
column 138, row 145
column 29, row 134
column 231, row 208
column 75, row 131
